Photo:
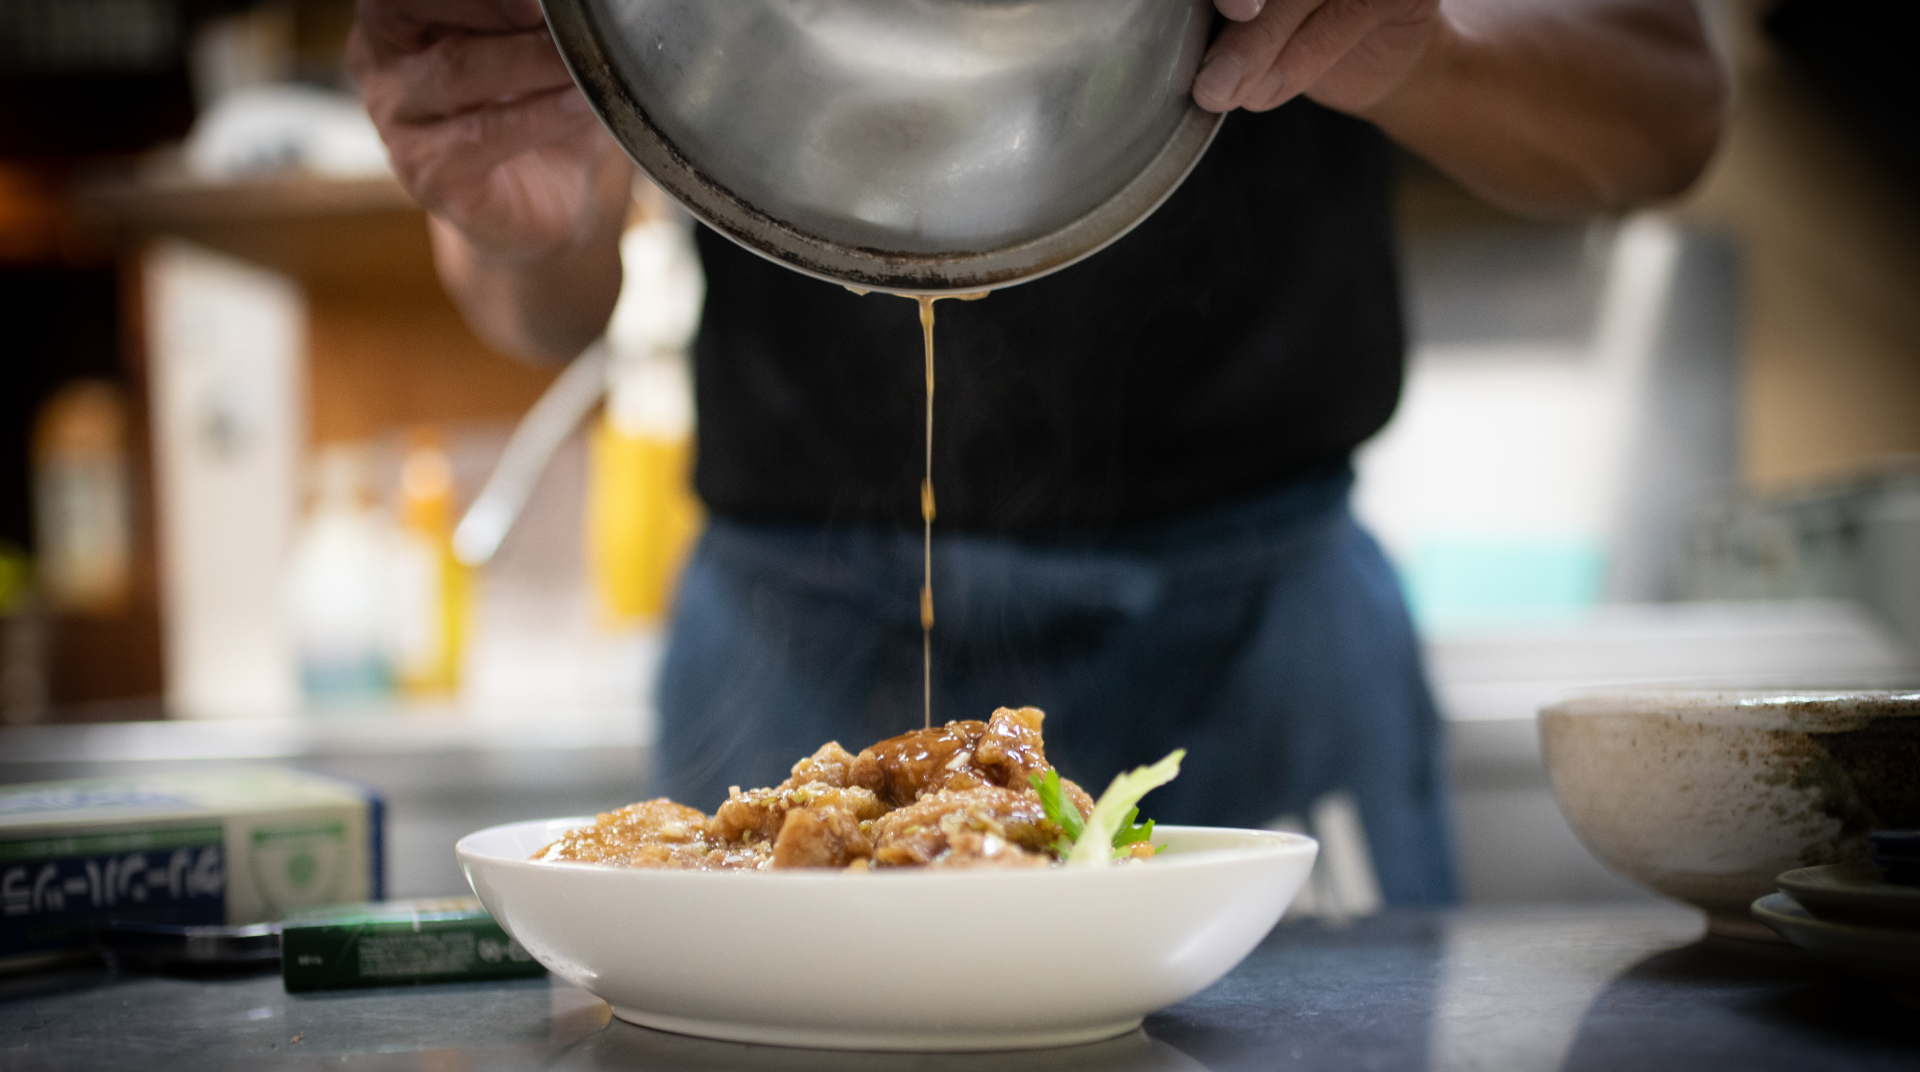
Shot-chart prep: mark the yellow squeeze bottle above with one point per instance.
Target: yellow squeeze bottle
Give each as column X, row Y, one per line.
column 433, row 588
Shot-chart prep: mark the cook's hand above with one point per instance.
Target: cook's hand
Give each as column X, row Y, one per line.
column 486, row 130
column 482, row 122
column 1346, row 54
column 1546, row 107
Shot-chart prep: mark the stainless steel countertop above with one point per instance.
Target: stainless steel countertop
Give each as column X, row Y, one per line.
column 1512, row 990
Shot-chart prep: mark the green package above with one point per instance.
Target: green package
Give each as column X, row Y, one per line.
column 398, row 943
column 229, row 847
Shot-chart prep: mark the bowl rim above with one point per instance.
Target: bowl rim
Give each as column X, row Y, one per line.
column 1902, row 689
column 587, row 59
column 1278, row 844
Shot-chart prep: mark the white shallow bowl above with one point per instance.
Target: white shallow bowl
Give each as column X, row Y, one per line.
column 894, row 960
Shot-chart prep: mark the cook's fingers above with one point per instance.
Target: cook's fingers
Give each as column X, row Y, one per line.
column 388, row 28
column 466, row 71
column 1324, row 39
column 1245, row 51
column 440, row 160
column 1240, row 10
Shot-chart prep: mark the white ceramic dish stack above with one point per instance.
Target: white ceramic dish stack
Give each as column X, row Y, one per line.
column 900, row 960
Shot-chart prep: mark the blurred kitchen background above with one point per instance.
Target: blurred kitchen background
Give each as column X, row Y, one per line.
column 263, row 496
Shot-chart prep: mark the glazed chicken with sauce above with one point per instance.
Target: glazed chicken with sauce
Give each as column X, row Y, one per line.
column 953, row 796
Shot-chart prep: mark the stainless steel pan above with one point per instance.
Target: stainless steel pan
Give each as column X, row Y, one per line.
column 916, row 146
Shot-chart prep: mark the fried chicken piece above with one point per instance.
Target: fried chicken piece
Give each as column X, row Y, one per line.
column 987, row 826
column 982, row 850
column 1010, row 749
column 1078, row 795
column 960, row 796
column 1004, row 751
column 831, row 765
column 1010, row 753
column 822, row 780
column 758, row 814
column 754, row 857
column 899, row 769
column 820, row 837
column 652, row 833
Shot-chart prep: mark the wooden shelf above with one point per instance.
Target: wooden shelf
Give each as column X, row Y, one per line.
column 334, row 235
column 158, row 200
column 387, row 348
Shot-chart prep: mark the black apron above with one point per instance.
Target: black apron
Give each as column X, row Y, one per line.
column 1246, row 334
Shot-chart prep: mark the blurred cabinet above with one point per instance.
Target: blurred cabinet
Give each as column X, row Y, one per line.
column 95, row 655
column 225, row 344
column 376, row 348
column 1829, row 230
column 386, row 348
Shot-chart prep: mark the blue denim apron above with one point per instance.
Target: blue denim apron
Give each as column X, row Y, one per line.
column 1267, row 637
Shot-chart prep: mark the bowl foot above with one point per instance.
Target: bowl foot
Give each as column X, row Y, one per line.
column 829, row 1038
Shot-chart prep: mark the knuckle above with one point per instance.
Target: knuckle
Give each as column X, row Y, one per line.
column 1265, row 36
column 445, row 60
column 1262, row 42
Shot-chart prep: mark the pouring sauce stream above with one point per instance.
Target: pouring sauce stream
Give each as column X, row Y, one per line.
column 925, row 302
column 926, row 523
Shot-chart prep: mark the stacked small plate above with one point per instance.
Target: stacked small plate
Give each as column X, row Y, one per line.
column 1853, row 917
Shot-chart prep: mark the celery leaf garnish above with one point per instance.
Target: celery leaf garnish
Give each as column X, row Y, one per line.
column 1117, row 807
column 1130, row 834
column 1091, row 841
column 1060, row 809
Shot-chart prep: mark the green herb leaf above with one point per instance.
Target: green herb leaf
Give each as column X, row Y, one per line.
column 1114, row 812
column 1060, row 809
column 1130, row 834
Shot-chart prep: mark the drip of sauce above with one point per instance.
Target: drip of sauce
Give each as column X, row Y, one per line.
column 926, row 526
column 926, row 505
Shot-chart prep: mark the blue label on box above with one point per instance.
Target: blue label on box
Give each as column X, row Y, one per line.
column 52, row 888
column 39, row 800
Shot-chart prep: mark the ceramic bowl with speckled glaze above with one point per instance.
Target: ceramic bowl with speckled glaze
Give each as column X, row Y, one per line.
column 1706, row 794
